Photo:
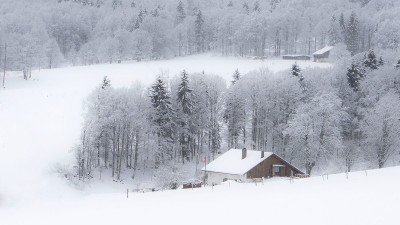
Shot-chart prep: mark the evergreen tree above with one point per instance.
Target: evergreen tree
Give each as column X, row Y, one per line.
column 199, row 33
column 354, row 75
column 106, row 83
column 180, row 13
column 186, row 108
column 334, row 32
column 236, row 76
column 230, row 4
column 184, row 94
column 296, row 72
column 370, row 61
column 161, row 119
column 342, row 26
column 352, row 34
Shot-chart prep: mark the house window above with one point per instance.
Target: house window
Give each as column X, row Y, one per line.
column 276, row 171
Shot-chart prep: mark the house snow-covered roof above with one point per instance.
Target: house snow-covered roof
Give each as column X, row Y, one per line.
column 323, row 50
column 231, row 162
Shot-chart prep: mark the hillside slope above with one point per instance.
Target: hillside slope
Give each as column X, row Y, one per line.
column 370, row 198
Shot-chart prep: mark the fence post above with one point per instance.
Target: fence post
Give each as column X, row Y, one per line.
column 366, row 173
column 127, row 192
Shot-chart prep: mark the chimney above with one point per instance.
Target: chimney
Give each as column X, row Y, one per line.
column 262, row 154
column 244, row 153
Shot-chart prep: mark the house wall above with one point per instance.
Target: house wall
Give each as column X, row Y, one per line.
column 217, row 178
column 264, row 169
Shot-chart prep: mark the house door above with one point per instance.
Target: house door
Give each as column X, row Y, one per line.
column 276, row 171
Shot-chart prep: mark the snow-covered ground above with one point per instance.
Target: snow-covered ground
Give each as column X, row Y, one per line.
column 367, row 199
column 40, row 120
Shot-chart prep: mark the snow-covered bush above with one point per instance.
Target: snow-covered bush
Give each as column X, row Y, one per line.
column 170, row 176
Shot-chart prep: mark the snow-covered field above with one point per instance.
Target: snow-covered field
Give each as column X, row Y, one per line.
column 40, row 121
column 360, row 199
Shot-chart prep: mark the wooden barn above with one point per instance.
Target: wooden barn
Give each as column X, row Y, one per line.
column 322, row 55
column 243, row 164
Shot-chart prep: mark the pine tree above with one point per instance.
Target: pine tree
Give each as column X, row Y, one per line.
column 342, row 26
column 106, row 83
column 161, row 119
column 334, row 32
column 230, row 4
column 184, row 94
column 236, row 76
column 352, row 34
column 183, row 118
column 180, row 13
column 354, row 75
column 370, row 61
column 199, row 32
column 296, row 71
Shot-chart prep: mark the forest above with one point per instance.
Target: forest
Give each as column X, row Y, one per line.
column 325, row 120
column 343, row 118
column 52, row 33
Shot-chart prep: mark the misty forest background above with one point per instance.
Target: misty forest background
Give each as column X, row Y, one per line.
column 339, row 119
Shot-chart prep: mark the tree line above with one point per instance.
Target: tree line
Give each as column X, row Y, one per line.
column 51, row 33
column 175, row 121
column 338, row 119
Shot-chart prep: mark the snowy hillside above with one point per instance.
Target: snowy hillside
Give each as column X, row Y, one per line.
column 40, row 119
column 364, row 198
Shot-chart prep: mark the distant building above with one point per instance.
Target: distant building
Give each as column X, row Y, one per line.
column 296, row 57
column 242, row 164
column 322, row 55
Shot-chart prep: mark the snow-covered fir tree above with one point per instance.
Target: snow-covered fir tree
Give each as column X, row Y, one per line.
column 370, row 61
column 354, row 75
column 352, row 34
column 161, row 119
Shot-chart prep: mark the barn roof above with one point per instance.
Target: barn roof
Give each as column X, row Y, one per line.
column 323, row 50
column 231, row 162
